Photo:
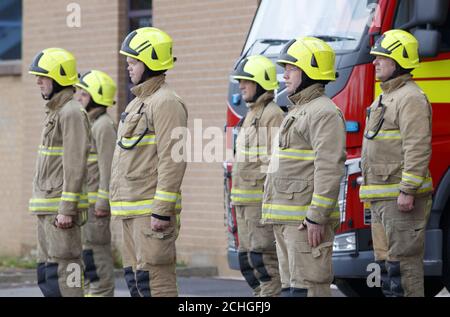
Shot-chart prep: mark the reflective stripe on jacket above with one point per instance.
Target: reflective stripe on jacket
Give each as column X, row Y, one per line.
column 307, row 166
column 60, row 181
column 253, row 150
column 146, row 179
column 103, row 142
column 397, row 144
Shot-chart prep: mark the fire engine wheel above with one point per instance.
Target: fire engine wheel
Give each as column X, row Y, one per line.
column 354, row 287
column 446, row 248
column 357, row 287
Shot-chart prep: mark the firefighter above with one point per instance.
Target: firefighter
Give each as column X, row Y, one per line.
column 59, row 189
column 395, row 159
column 96, row 91
column 146, row 178
column 257, row 253
column 302, row 184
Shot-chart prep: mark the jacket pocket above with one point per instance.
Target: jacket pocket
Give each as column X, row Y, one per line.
column 316, row 263
column 384, row 173
column 407, row 238
column 249, row 179
column 283, row 140
column 375, row 120
column 159, row 247
column 287, row 189
column 135, row 124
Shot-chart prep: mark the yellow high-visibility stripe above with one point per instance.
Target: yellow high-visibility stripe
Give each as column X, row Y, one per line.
column 391, row 190
column 284, row 212
column 52, row 204
column 295, row 154
column 388, row 135
column 72, row 197
column 166, row 196
column 92, row 197
column 412, row 179
column 103, row 194
column 243, row 195
column 92, row 157
column 148, row 139
column 322, row 201
column 51, row 150
column 134, row 208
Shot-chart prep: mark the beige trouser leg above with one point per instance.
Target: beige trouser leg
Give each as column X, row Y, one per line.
column 257, row 252
column 60, row 269
column 129, row 256
column 283, row 261
column 310, row 269
column 97, row 256
column 401, row 238
column 151, row 256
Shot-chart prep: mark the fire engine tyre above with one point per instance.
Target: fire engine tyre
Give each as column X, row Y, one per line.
column 355, row 287
column 446, row 248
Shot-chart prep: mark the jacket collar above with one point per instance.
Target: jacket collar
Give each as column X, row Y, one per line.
column 59, row 99
column 95, row 113
column 256, row 109
column 262, row 101
column 148, row 87
column 308, row 94
column 395, row 83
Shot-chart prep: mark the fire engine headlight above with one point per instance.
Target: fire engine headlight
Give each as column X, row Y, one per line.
column 345, row 242
column 359, row 180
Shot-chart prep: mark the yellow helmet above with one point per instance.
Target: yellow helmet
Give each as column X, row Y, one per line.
column 100, row 87
column 399, row 45
column 151, row 46
column 56, row 63
column 259, row 69
column 311, row 55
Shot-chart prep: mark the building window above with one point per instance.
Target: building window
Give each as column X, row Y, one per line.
column 10, row 30
column 139, row 16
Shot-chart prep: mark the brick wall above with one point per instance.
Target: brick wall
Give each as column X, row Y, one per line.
column 94, row 44
column 208, row 38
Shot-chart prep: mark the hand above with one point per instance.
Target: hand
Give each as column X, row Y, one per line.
column 101, row 213
column 159, row 225
column 405, row 202
column 64, row 222
column 315, row 233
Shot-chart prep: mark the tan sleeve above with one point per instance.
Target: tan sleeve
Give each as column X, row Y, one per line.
column 168, row 116
column 273, row 126
column 105, row 136
column 328, row 140
column 75, row 129
column 415, row 129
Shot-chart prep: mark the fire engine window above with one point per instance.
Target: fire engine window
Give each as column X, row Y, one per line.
column 445, row 32
column 341, row 23
column 10, row 30
column 405, row 12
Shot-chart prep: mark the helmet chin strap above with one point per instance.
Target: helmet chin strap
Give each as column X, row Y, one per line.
column 56, row 88
column 306, row 82
column 148, row 73
column 399, row 71
column 258, row 93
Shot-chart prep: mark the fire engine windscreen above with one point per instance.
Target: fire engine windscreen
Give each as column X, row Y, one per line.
column 341, row 23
